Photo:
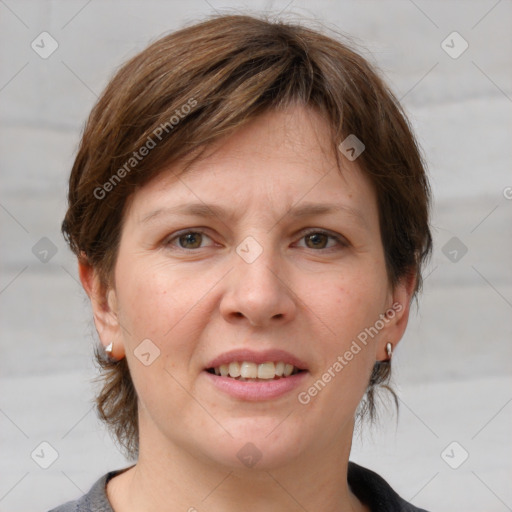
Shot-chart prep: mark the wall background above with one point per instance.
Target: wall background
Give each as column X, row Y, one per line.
column 453, row 368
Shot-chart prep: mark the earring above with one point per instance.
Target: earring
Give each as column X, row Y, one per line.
column 109, row 348
column 389, row 351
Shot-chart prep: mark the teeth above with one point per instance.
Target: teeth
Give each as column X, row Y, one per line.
column 288, row 369
column 247, row 370
column 234, row 369
column 266, row 371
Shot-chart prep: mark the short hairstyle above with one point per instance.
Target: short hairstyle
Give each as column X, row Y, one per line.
column 203, row 82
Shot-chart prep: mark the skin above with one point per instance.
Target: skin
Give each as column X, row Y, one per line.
column 309, row 296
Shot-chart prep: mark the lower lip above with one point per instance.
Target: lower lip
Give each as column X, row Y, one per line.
column 255, row 391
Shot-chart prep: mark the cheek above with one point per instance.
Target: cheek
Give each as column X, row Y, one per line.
column 147, row 308
column 152, row 300
column 346, row 307
column 153, row 304
column 350, row 302
column 166, row 307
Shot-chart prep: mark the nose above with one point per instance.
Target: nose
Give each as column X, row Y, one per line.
column 256, row 292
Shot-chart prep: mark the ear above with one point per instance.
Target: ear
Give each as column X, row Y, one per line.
column 104, row 308
column 397, row 314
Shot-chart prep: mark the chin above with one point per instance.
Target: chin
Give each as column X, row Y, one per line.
column 259, row 444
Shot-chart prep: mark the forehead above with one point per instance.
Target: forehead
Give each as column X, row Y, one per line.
column 279, row 159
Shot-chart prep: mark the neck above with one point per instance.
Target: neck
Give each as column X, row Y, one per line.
column 176, row 480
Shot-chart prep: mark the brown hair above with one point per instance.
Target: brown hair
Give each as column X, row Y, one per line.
column 203, row 82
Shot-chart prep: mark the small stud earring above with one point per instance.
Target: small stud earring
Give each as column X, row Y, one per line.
column 389, row 350
column 109, row 348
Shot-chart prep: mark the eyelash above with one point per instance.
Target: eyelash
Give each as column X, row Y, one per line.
column 340, row 240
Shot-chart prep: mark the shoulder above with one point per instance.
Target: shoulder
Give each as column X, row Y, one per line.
column 95, row 500
column 375, row 492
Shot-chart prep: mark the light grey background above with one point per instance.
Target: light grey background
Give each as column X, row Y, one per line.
column 453, row 368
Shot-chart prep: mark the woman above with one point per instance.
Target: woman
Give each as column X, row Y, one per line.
column 249, row 210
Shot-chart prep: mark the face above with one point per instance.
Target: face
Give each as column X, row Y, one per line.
column 262, row 253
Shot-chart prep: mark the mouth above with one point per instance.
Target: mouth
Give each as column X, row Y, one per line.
column 250, row 375
column 247, row 371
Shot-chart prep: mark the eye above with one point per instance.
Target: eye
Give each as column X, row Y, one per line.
column 187, row 240
column 314, row 239
column 317, row 239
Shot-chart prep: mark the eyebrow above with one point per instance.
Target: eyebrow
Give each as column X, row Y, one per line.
column 212, row 210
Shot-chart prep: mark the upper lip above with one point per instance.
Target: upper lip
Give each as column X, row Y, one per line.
column 260, row 357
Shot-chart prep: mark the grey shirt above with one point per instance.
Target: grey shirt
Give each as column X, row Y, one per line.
column 368, row 486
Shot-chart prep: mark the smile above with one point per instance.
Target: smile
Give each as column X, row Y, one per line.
column 250, row 375
column 249, row 371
